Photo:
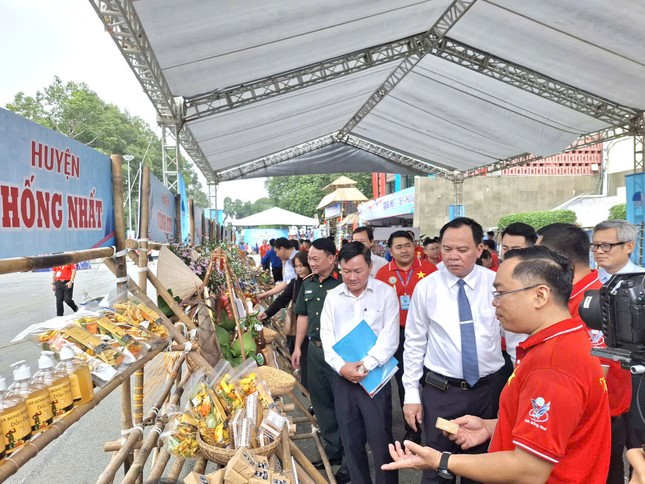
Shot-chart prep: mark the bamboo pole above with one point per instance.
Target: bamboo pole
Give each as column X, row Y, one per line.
column 116, row 445
column 191, row 221
column 307, row 466
column 107, row 476
column 31, row 449
column 134, row 244
column 200, row 464
column 159, row 465
column 175, row 470
column 194, row 356
column 163, row 292
column 27, row 264
column 119, row 221
column 231, row 293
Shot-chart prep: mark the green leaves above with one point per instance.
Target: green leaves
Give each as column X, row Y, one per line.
column 537, row 219
column 618, row 212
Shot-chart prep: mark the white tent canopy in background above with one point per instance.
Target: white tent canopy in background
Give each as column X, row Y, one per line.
column 275, row 216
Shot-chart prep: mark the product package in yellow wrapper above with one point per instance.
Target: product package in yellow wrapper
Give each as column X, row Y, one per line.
column 180, row 439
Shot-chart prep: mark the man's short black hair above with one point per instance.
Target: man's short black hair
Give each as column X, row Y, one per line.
column 399, row 233
column 325, row 244
column 430, row 240
column 566, row 239
column 271, row 242
column 295, row 244
column 354, row 249
column 523, row 230
column 490, row 244
column 282, row 243
column 477, row 230
column 367, row 230
column 541, row 265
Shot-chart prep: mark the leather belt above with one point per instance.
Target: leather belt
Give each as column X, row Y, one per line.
column 445, row 383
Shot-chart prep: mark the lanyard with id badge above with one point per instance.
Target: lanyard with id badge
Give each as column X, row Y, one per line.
column 404, row 299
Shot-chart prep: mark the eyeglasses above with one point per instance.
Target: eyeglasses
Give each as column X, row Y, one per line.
column 498, row 294
column 605, row 246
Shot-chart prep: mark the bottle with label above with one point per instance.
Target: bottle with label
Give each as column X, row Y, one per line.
column 14, row 419
column 36, row 395
column 79, row 375
column 261, row 346
column 58, row 383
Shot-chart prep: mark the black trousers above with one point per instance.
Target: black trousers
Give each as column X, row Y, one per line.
column 277, row 273
column 64, row 294
column 364, row 420
column 320, row 381
column 481, row 401
column 616, row 465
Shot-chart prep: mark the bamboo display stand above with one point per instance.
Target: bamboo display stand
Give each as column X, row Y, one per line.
column 142, row 429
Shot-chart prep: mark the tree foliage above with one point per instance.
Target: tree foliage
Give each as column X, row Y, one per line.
column 301, row 194
column 537, row 219
column 618, row 212
column 74, row 110
column 238, row 209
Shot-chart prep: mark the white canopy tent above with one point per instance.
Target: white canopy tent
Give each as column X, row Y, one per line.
column 435, row 86
column 275, row 216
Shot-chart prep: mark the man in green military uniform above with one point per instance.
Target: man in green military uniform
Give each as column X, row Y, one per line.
column 323, row 278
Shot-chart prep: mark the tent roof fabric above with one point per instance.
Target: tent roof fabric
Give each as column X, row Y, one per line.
column 275, row 216
column 522, row 77
column 350, row 194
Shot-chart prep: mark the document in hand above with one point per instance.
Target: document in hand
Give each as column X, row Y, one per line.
column 355, row 345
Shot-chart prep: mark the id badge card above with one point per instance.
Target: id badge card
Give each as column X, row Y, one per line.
column 405, row 302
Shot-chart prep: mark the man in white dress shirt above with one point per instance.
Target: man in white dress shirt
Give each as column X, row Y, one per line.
column 361, row 419
column 613, row 241
column 452, row 341
column 365, row 235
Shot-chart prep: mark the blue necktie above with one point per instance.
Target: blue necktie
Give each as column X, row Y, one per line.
column 468, row 342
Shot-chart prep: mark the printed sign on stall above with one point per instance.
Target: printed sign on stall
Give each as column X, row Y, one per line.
column 161, row 216
column 55, row 193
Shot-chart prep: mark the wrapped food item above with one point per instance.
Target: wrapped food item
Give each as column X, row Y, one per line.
column 247, row 382
column 228, row 395
column 93, row 345
column 180, row 439
column 134, row 312
column 136, row 348
column 271, row 426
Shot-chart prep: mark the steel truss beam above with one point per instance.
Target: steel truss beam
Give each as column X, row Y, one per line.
column 124, row 26
column 582, row 142
column 395, row 156
column 218, row 101
column 429, row 41
column 275, row 158
column 639, row 144
column 170, row 156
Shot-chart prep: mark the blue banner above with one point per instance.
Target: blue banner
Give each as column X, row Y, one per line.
column 185, row 222
column 55, row 193
column 161, row 214
column 635, row 206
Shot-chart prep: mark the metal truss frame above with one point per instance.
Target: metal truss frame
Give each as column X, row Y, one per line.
column 639, row 144
column 124, row 26
column 590, row 139
column 170, row 156
column 429, row 41
column 276, row 158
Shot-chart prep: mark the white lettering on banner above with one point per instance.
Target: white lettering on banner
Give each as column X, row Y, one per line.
column 51, row 158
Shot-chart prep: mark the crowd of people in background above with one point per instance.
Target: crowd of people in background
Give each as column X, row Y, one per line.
column 487, row 335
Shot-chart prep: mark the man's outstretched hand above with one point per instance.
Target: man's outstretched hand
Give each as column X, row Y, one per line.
column 412, row 456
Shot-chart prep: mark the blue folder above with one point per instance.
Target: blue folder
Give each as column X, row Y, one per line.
column 354, row 346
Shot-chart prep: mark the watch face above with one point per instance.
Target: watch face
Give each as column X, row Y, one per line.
column 445, row 474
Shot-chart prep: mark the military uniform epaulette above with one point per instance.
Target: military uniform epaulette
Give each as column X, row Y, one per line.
column 334, row 275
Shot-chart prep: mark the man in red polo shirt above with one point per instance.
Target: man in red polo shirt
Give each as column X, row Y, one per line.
column 403, row 272
column 573, row 242
column 63, row 287
column 553, row 423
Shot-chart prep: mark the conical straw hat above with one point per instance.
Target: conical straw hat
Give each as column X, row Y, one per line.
column 175, row 275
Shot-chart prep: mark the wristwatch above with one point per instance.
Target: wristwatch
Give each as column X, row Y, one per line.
column 442, row 470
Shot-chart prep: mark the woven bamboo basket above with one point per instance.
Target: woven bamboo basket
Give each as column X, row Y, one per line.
column 279, row 382
column 222, row 456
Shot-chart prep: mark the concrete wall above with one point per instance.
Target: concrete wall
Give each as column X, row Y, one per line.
column 487, row 198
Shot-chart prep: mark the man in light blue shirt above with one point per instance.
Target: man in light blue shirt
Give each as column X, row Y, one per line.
column 613, row 241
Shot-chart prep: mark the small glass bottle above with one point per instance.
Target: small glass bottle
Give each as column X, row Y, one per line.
column 36, row 395
column 58, row 383
column 79, row 375
column 14, row 418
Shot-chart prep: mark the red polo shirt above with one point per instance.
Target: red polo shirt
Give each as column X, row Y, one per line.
column 555, row 406
column 619, row 381
column 419, row 253
column 388, row 274
column 64, row 273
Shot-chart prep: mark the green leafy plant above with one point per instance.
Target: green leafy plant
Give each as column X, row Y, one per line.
column 538, row 219
column 618, row 212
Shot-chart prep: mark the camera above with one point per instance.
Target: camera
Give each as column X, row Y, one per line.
column 618, row 310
